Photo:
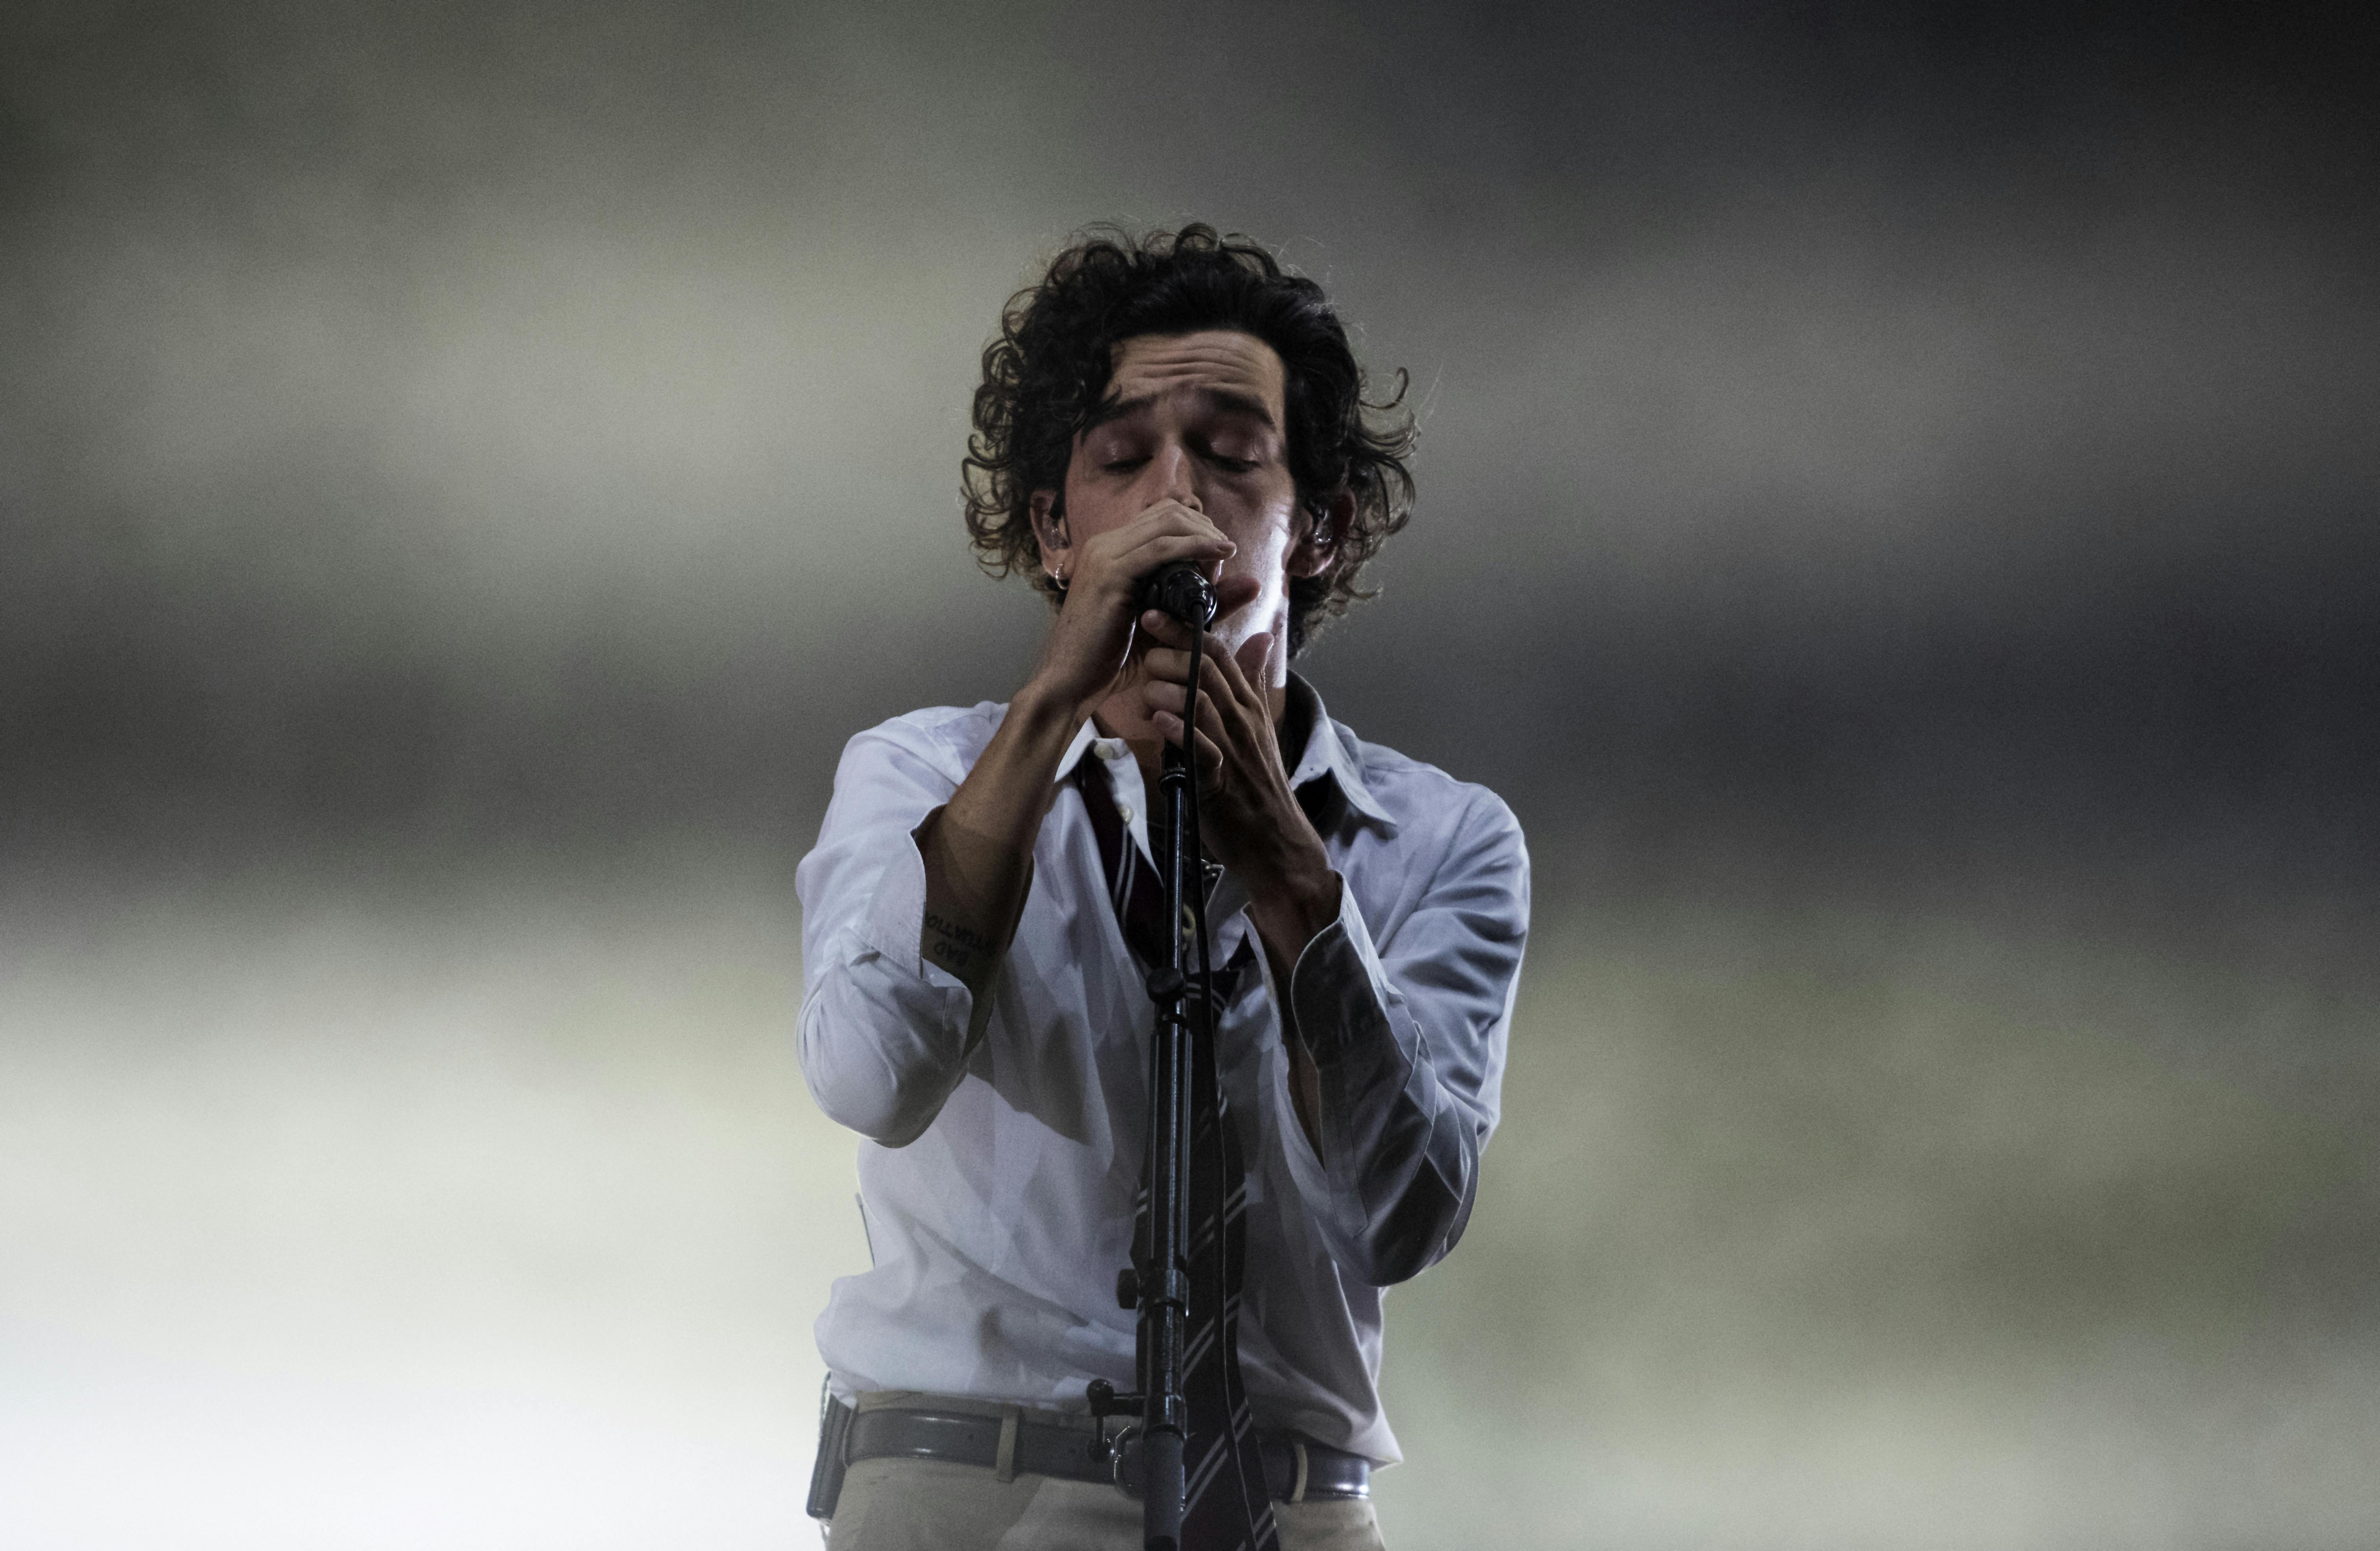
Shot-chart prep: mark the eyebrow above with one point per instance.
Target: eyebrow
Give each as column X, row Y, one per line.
column 1219, row 398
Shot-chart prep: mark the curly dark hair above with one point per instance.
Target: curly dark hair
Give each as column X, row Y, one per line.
column 1048, row 373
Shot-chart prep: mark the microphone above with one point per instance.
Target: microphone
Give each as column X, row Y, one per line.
column 1181, row 591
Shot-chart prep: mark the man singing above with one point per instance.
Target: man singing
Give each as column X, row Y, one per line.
column 980, row 923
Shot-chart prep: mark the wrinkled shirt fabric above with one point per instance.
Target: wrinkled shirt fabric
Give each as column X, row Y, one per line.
column 1005, row 1133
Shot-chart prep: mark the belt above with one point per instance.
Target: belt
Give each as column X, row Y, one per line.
column 1295, row 1468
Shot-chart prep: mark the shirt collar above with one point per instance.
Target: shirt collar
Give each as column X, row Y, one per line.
column 1326, row 753
column 1084, row 736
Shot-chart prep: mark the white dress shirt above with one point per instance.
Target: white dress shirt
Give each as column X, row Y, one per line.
column 1003, row 1145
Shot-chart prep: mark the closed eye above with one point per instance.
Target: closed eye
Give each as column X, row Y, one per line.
column 1228, row 462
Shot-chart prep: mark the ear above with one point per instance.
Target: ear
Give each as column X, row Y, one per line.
column 1049, row 529
column 1317, row 538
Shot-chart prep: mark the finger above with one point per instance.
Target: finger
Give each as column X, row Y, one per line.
column 1171, row 665
column 1173, row 636
column 1211, row 720
column 1233, row 593
column 1167, row 518
column 1254, row 659
column 1165, row 697
column 1162, row 697
column 1159, row 517
column 1172, row 657
column 1210, row 755
column 1232, row 682
column 1168, row 510
column 1137, row 560
column 1164, row 703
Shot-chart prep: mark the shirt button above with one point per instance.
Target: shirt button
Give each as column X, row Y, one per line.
column 1124, row 812
column 1105, row 751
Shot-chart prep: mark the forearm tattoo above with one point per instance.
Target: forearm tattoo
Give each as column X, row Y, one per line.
column 959, row 948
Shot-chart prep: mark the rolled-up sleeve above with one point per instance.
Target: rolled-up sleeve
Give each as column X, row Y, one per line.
column 1408, row 1035
column 884, row 1034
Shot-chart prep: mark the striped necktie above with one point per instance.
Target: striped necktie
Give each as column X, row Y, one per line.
column 1226, row 1507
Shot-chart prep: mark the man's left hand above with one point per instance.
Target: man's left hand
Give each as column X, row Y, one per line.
column 1249, row 817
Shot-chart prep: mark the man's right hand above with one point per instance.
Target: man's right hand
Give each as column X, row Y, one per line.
column 1088, row 650
column 978, row 848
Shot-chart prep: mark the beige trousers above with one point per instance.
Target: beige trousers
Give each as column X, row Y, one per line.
column 934, row 1504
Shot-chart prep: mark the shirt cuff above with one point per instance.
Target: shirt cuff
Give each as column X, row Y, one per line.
column 1338, row 992
column 1337, row 1005
column 896, row 922
column 894, row 927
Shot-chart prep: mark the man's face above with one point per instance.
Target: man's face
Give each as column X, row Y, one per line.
column 1200, row 419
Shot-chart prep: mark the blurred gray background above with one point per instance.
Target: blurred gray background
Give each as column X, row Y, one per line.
column 1898, row 524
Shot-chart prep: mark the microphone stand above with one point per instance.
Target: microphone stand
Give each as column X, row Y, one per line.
column 1160, row 1286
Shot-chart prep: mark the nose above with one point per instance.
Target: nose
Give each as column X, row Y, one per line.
column 1175, row 473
